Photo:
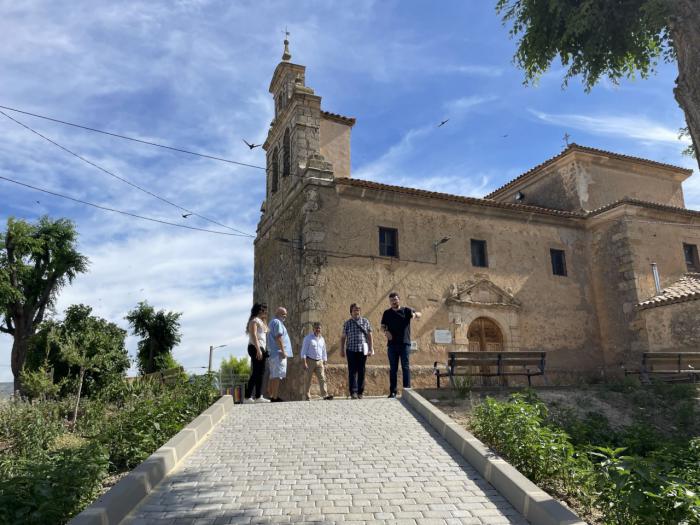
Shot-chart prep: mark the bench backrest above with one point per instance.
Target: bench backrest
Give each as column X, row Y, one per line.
column 501, row 359
column 678, row 361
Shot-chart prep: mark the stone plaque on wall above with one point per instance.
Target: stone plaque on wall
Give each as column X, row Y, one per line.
column 442, row 337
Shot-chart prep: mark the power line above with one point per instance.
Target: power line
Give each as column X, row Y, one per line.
column 120, row 211
column 134, row 139
column 93, row 164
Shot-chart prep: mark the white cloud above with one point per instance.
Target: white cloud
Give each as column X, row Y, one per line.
column 633, row 127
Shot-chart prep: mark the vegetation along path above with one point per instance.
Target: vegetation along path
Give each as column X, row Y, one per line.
column 349, row 461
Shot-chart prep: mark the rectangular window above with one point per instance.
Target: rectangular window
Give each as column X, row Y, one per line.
column 479, row 256
column 691, row 257
column 388, row 242
column 558, row 262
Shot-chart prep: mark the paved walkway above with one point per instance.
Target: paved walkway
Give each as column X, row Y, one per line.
column 352, row 462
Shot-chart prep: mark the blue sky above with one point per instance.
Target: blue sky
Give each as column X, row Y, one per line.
column 194, row 74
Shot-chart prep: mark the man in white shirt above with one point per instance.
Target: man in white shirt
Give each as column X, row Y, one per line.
column 314, row 357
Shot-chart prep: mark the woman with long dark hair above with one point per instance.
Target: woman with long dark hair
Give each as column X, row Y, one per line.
column 256, row 328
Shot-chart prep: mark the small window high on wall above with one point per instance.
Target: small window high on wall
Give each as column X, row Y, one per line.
column 558, row 262
column 275, row 172
column 691, row 257
column 479, row 256
column 286, row 152
column 388, row 242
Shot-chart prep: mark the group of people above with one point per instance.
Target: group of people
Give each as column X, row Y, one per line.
column 269, row 347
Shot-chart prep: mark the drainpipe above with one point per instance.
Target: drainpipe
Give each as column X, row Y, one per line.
column 657, row 282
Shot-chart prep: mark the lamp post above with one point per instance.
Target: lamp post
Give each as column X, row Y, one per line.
column 211, row 353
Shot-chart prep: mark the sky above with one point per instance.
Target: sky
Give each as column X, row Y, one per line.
column 194, row 74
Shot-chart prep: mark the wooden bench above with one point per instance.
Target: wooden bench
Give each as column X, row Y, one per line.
column 492, row 364
column 678, row 364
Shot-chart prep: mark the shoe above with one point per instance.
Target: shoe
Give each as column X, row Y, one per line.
column 261, row 399
column 353, row 396
column 328, row 398
column 392, row 395
column 407, row 388
column 248, row 401
column 359, row 396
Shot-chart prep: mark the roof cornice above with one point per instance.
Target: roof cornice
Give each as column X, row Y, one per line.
column 575, row 148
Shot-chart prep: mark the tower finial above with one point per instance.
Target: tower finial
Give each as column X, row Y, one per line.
column 286, row 55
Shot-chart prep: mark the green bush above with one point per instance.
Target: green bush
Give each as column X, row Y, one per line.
column 52, row 487
column 147, row 420
column 654, row 481
column 27, row 429
column 647, row 491
column 517, row 431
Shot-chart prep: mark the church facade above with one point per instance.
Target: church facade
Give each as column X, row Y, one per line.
column 559, row 259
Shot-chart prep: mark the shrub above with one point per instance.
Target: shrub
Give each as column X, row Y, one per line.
column 53, row 487
column 146, row 421
column 27, row 429
column 645, row 491
column 516, row 430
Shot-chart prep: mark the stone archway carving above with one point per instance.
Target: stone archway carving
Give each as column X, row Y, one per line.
column 472, row 299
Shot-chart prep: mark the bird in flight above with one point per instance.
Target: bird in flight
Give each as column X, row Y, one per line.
column 504, row 136
column 185, row 215
column 251, row 146
column 443, row 123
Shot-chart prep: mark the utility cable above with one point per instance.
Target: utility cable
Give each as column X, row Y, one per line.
column 120, row 211
column 180, row 150
column 70, row 152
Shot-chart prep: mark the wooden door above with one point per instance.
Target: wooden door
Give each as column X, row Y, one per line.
column 484, row 335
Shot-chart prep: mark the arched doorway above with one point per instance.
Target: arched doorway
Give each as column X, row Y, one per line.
column 484, row 335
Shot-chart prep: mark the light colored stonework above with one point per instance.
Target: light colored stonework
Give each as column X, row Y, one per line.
column 317, row 249
column 353, row 462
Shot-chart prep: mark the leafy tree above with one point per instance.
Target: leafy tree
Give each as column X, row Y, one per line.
column 611, row 38
column 36, row 261
column 101, row 340
column 159, row 332
column 235, row 366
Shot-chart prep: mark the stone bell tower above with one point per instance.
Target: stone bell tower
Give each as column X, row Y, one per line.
column 293, row 143
column 307, row 149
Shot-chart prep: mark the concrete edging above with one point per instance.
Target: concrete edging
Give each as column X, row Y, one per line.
column 115, row 504
column 527, row 498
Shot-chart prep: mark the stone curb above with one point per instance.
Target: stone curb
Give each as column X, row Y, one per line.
column 115, row 504
column 527, row 498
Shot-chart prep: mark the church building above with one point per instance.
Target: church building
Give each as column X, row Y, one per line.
column 590, row 256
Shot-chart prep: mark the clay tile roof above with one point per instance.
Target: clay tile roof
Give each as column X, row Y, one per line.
column 350, row 121
column 585, row 149
column 457, row 198
column 687, row 288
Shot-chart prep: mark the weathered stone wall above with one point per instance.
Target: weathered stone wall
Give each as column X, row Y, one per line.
column 624, row 243
column 555, row 314
column 335, row 146
column 585, row 182
column 673, row 327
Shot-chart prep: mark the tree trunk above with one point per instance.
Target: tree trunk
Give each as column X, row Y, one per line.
column 20, row 346
column 77, row 401
column 685, row 32
column 151, row 355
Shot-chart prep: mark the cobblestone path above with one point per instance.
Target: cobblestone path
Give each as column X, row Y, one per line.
column 352, row 462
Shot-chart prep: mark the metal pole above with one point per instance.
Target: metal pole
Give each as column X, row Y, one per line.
column 211, row 355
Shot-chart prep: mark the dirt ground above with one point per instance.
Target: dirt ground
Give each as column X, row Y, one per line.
column 620, row 408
